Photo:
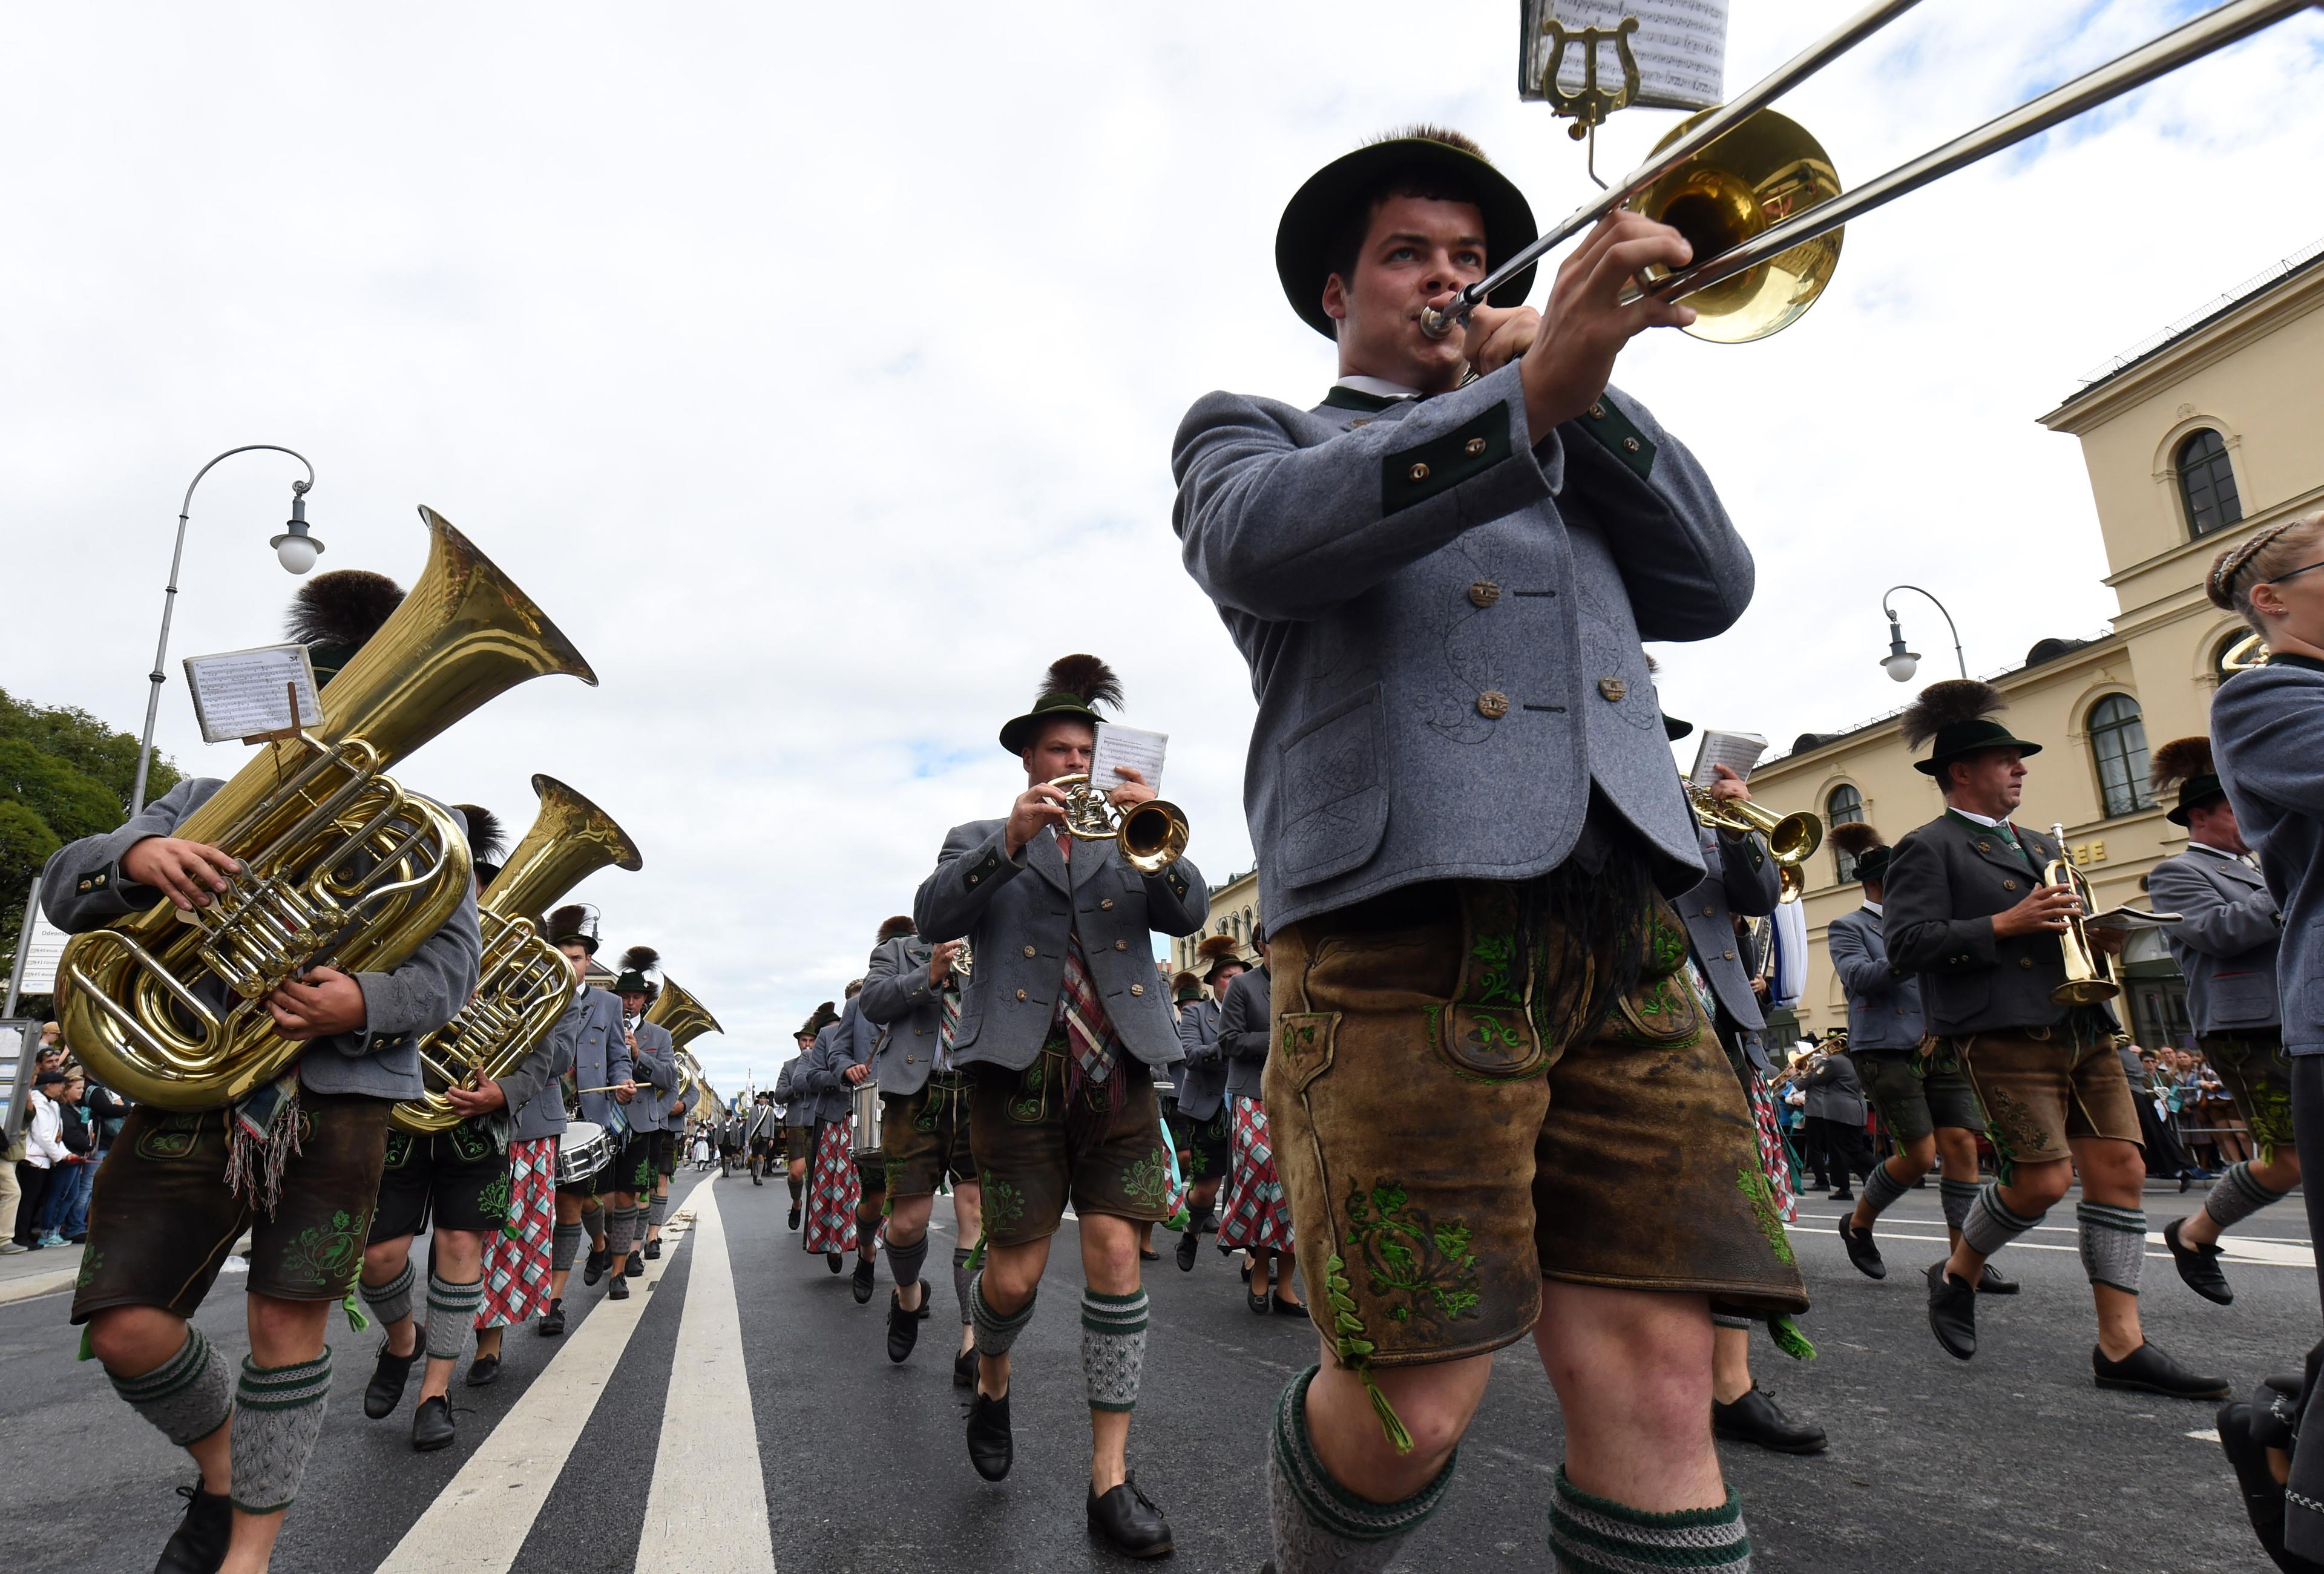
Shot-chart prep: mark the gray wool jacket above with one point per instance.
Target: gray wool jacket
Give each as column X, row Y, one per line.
column 601, row 1055
column 790, row 1093
column 1442, row 615
column 2267, row 738
column 1835, row 1092
column 654, row 1064
column 2225, row 939
column 898, row 998
column 1018, row 914
column 1246, row 1031
column 849, row 1042
column 1203, row 1067
column 536, row 1101
column 1740, row 878
column 83, row 889
column 1883, row 1006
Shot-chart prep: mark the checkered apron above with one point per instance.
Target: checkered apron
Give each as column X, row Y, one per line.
column 833, row 1190
column 1775, row 1154
column 1255, row 1212
column 516, row 1259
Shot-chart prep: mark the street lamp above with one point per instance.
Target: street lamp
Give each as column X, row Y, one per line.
column 1899, row 664
column 294, row 549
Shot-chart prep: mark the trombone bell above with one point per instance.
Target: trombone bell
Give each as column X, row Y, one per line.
column 1765, row 170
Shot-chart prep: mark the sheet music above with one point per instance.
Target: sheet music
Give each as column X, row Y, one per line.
column 1737, row 751
column 241, row 693
column 1680, row 48
column 1118, row 746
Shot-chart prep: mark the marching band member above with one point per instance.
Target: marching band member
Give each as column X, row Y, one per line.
column 1968, row 909
column 799, row 1107
column 520, row 1262
column 854, row 1040
column 1256, row 1215
column 835, row 1186
column 1061, row 1023
column 1205, row 1126
column 1463, row 804
column 923, row 1127
column 659, row 1116
column 601, row 1060
column 296, row 1162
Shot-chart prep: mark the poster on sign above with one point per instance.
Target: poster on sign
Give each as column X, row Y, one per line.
column 1679, row 47
column 44, row 944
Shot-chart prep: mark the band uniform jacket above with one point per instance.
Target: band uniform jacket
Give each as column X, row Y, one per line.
column 654, row 1064
column 1883, row 1006
column 848, row 1041
column 1202, row 1081
column 1442, row 613
column 601, row 1056
column 1835, row 1092
column 2225, row 939
column 1946, row 881
column 84, row 889
column 2267, row 735
column 1016, row 914
column 898, row 998
column 1246, row 1031
column 1740, row 877
column 790, row 1093
column 535, row 1098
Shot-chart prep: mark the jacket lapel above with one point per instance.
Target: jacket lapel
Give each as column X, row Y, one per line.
column 1988, row 845
column 1042, row 854
column 1089, row 857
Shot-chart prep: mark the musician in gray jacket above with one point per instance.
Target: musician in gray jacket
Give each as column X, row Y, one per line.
column 1204, row 1125
column 603, row 1072
column 1061, row 1025
column 838, row 1180
column 1441, row 576
column 1969, row 908
column 798, row 1107
column 642, row 1182
column 2224, row 942
column 1256, row 1213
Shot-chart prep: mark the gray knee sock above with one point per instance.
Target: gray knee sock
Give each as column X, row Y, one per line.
column 1319, row 1526
column 1114, row 1348
column 451, row 1313
column 959, row 1256
column 187, row 1396
column 659, row 1212
column 391, row 1302
column 2114, row 1244
column 1991, row 1225
column 2237, row 1196
column 617, row 1222
column 1721, row 1318
column 905, row 1262
column 1957, row 1197
column 278, row 1416
column 1882, row 1189
column 592, row 1220
column 1595, row 1535
column 564, row 1246
column 994, row 1332
column 867, row 1234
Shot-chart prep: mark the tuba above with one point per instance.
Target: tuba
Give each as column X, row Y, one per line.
column 1151, row 836
column 523, row 983
column 686, row 1020
column 340, row 865
column 2089, row 972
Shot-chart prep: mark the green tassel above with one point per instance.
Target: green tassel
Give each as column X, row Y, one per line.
column 357, row 1321
column 1789, row 1338
column 87, row 1350
column 1398, row 1439
column 976, row 1252
column 1180, row 1221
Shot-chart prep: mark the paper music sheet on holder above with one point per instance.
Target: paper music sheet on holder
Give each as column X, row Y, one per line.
column 246, row 694
column 1118, row 746
column 1737, row 751
column 1680, row 48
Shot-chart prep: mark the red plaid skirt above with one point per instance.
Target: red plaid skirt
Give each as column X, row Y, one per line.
column 1775, row 1154
column 516, row 1260
column 833, row 1190
column 1255, row 1212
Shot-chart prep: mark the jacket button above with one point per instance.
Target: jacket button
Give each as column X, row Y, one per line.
column 1122, row 945
column 1631, row 444
column 1984, row 847
column 1106, row 906
column 911, row 1060
column 1418, row 473
column 1613, row 690
column 1138, row 989
column 1020, row 994
column 1709, row 912
column 1492, row 704
column 2008, row 885
column 2025, row 961
column 1029, row 953
column 1596, row 412
column 1474, row 447
column 1728, row 955
column 1484, row 593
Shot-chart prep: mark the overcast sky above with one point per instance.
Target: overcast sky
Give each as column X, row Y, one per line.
column 816, row 369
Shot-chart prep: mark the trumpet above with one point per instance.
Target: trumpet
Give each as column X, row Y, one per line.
column 1792, row 838
column 1152, row 834
column 2089, row 972
column 2245, row 653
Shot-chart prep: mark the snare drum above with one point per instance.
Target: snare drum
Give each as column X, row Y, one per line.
column 582, row 1152
column 864, row 1118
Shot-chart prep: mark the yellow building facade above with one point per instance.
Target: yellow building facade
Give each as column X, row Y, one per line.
column 1235, row 910
column 2211, row 433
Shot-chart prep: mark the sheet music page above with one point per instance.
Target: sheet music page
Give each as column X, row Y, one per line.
column 241, row 693
column 1680, row 48
column 1737, row 751
column 1118, row 746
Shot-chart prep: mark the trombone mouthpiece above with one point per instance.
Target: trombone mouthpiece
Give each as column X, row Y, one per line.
column 1438, row 323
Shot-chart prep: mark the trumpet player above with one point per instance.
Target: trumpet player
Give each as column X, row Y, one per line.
column 657, row 1114
column 602, row 1072
column 296, row 1162
column 1969, row 908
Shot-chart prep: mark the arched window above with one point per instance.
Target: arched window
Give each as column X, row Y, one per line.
column 2118, row 744
column 1843, row 806
column 2206, row 483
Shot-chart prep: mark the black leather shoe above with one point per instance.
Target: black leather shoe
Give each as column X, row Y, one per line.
column 1757, row 1419
column 2198, row 1266
column 431, row 1424
column 385, row 1390
column 1130, row 1522
column 1994, row 1281
column 864, row 1281
column 483, row 1371
column 199, row 1544
column 990, row 1447
column 1188, row 1244
column 617, row 1288
column 594, row 1268
column 833, row 1261
column 653, row 1251
column 636, row 1267
column 1282, row 1308
column 552, row 1321
column 1148, row 1255
column 2263, row 1496
column 1861, row 1251
column 1953, row 1312
column 1843, row 1195
column 904, row 1327
column 792, row 1223
column 963, row 1369
column 2151, row 1371
column 1256, row 1300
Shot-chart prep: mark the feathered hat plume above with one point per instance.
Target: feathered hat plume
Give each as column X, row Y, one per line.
column 641, row 958
column 487, row 837
column 1856, row 838
column 344, row 607
column 1950, row 704
column 1085, row 678
column 900, row 924
column 2180, row 760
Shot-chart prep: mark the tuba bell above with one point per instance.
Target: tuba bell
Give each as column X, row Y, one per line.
column 339, row 865
column 524, row 982
column 686, row 1018
column 1151, row 835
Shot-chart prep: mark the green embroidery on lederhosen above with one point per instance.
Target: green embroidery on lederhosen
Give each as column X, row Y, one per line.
column 1486, row 1029
column 643, row 1176
column 1148, row 1180
column 328, row 1255
column 1031, row 1101
column 1752, row 1182
column 925, row 1120
column 399, row 1150
column 1004, row 1204
column 492, row 1200
column 1353, row 1346
column 91, row 1260
column 1420, row 1266
column 175, row 1135
column 1196, row 1164
column 470, row 1143
column 2010, row 1126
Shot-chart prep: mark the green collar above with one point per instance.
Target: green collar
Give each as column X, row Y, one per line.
column 1343, row 396
column 2275, row 657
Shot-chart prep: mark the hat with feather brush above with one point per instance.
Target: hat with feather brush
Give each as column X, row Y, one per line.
column 2186, row 762
column 574, row 923
column 1955, row 717
column 336, row 614
column 1074, row 686
column 1870, row 855
column 1218, row 950
column 487, row 840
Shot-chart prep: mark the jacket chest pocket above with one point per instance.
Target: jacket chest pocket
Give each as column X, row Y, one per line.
column 2243, row 997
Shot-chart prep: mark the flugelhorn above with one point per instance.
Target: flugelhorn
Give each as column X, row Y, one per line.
column 523, row 983
column 2089, row 972
column 1792, row 838
column 340, row 865
column 1152, row 834
column 2245, row 653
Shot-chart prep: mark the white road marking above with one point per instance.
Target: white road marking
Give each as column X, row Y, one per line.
column 478, row 1523
column 2255, row 1250
column 707, row 1508
column 2207, row 1435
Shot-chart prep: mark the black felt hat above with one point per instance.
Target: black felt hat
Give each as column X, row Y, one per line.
column 335, row 615
column 636, row 962
column 1074, row 686
column 2186, row 761
column 1954, row 717
column 574, row 923
column 1424, row 159
column 1862, row 843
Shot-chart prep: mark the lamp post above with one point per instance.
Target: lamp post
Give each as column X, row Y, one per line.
column 1901, row 663
column 294, row 549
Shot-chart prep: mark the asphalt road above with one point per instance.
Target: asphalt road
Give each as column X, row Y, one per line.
column 2014, row 1461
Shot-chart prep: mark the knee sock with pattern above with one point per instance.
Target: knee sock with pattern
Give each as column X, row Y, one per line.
column 187, row 1396
column 278, row 1416
column 1957, row 1197
column 658, row 1212
column 451, row 1311
column 1319, row 1526
column 564, row 1246
column 1881, row 1189
column 618, row 1224
column 1992, row 1225
column 994, row 1332
column 2114, row 1244
column 959, row 1256
column 2237, row 1196
column 1114, row 1348
column 1721, row 1317
column 391, row 1302
column 1595, row 1535
column 904, row 1261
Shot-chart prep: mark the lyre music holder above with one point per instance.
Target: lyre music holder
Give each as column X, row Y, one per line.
column 1589, row 104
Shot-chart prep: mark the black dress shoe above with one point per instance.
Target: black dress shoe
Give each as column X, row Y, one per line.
column 904, row 1327
column 2151, row 1371
column 1148, row 1255
column 385, row 1390
column 1994, row 1281
column 653, row 1251
column 593, row 1268
column 431, row 1424
column 1188, row 1244
column 792, row 1223
column 617, row 1288
column 963, row 1369
column 1953, row 1312
column 1843, row 1195
column 2261, row 1494
column 864, row 1281
column 833, row 1261
column 1861, row 1251
column 2198, row 1266
column 483, row 1371
column 1757, row 1419
column 552, row 1321
column 990, row 1447
column 636, row 1267
column 199, row 1544
column 1129, row 1520
column 1256, row 1300
column 1282, row 1308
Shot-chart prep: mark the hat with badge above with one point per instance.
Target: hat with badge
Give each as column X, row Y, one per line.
column 636, row 962
column 2187, row 763
column 1333, row 211
column 1862, row 843
column 1955, row 719
column 336, row 614
column 574, row 923
column 1072, row 689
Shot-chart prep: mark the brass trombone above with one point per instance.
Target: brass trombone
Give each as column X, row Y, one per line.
column 1152, row 834
column 1758, row 201
column 1792, row 838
